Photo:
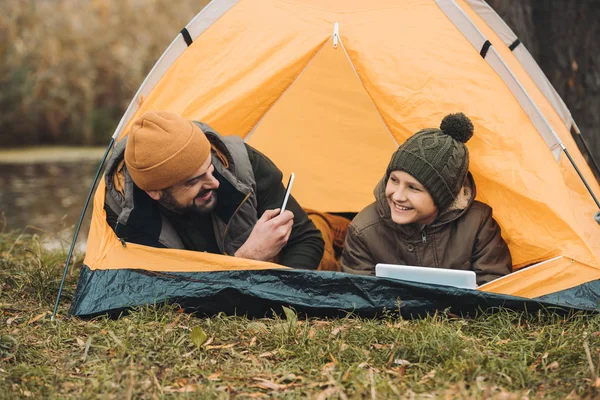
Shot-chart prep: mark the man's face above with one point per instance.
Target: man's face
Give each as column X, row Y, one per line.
column 196, row 194
column 409, row 201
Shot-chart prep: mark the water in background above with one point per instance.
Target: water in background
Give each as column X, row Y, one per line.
column 47, row 198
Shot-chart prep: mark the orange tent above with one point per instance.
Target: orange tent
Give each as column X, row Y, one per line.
column 329, row 88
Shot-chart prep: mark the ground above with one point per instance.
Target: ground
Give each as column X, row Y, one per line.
column 161, row 352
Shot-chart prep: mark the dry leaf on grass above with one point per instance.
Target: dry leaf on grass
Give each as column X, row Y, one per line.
column 185, row 389
column 37, row 318
column 428, row 376
column 254, row 395
column 220, row 346
column 267, row 384
column 553, row 365
column 268, row 354
column 214, row 377
column 381, row 346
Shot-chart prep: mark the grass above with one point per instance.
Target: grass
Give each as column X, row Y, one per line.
column 159, row 351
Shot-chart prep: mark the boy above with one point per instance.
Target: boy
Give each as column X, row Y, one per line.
column 425, row 213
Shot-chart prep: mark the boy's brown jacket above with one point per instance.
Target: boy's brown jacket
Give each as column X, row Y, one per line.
column 465, row 236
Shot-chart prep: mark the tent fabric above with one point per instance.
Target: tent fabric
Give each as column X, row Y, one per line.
column 493, row 20
column 260, row 293
column 332, row 109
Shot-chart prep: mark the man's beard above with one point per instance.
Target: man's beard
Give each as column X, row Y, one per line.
column 170, row 203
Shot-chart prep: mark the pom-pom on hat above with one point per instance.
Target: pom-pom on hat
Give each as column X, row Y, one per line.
column 164, row 148
column 438, row 158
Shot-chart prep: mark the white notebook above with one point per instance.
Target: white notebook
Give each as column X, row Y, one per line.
column 437, row 276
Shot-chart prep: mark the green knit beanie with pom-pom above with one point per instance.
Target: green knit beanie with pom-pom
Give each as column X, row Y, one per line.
column 438, row 158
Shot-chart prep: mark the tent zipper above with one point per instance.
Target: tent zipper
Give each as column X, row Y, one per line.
column 336, row 34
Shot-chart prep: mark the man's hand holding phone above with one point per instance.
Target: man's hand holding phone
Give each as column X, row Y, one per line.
column 270, row 233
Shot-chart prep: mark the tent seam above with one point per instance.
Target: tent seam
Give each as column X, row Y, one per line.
column 368, row 94
column 253, row 127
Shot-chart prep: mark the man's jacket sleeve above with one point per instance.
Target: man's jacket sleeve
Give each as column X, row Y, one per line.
column 304, row 248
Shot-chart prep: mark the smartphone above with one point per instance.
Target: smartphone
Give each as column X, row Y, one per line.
column 287, row 193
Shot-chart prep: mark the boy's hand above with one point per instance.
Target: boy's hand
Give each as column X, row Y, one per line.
column 268, row 236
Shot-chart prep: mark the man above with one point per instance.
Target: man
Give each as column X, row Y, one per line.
column 178, row 184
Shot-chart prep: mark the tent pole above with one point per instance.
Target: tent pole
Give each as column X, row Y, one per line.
column 85, row 206
column 580, row 175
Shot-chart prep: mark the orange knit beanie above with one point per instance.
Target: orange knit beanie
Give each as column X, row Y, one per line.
column 164, row 148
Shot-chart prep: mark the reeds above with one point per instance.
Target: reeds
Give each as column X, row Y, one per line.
column 68, row 68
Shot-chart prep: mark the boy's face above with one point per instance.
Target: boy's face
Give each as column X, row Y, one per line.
column 409, row 201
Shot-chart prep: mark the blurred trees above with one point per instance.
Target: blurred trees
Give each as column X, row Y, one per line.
column 68, row 68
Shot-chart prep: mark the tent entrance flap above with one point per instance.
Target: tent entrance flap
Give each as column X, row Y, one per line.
column 335, row 140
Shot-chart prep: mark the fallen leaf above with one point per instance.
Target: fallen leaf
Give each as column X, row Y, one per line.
column 214, row 377
column 398, row 371
column 503, row 341
column 398, row 361
column 189, row 353
column 327, row 368
column 327, row 393
column 553, row 365
column 182, row 382
column 380, row 346
column 597, row 382
column 37, row 318
column 254, row 395
column 198, row 336
column 220, row 346
column 428, row 376
column 172, row 324
column 185, row 389
column 335, row 361
column 311, row 333
column 267, row 384
column 335, row 331
column 545, row 356
column 267, row 354
column 252, row 341
column 80, row 342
